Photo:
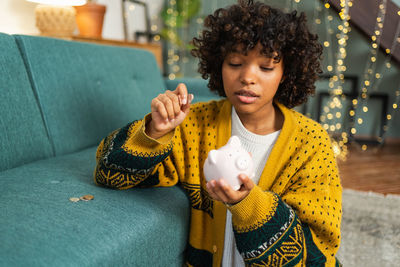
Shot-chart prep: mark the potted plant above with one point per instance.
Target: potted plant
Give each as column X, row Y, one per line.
column 90, row 18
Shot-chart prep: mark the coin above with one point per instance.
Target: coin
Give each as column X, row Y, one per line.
column 87, row 197
column 74, row 199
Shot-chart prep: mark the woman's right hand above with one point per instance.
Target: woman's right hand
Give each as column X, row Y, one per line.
column 168, row 110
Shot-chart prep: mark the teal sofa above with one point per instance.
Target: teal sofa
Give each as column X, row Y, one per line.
column 58, row 100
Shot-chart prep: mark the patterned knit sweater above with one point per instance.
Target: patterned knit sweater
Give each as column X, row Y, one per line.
column 292, row 217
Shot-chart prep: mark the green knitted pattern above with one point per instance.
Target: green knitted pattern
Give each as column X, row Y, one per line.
column 198, row 257
column 277, row 242
column 314, row 255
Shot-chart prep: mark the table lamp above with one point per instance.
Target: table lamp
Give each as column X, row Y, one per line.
column 56, row 17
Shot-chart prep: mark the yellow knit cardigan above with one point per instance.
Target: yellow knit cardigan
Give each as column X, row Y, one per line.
column 291, row 218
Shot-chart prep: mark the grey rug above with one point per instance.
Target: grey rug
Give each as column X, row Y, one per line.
column 370, row 229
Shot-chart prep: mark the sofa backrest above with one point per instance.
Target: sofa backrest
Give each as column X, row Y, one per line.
column 197, row 87
column 85, row 91
column 23, row 136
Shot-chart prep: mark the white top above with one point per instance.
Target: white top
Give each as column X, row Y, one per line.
column 260, row 147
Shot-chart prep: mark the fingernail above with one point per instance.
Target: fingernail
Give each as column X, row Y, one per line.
column 184, row 100
column 222, row 182
column 191, row 98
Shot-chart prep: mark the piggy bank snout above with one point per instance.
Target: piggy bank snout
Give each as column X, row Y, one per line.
column 242, row 163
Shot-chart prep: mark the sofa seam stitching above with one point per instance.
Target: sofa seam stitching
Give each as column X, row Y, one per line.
column 22, row 50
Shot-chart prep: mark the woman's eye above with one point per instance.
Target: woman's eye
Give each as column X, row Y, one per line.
column 234, row 64
column 265, row 68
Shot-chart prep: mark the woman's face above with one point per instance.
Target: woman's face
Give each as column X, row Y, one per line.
column 251, row 81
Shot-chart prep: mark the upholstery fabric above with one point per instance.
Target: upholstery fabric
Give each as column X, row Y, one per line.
column 41, row 227
column 23, row 135
column 87, row 90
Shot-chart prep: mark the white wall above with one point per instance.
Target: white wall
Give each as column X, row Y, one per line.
column 113, row 23
column 17, row 17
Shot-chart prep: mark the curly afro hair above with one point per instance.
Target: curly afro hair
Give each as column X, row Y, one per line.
column 283, row 36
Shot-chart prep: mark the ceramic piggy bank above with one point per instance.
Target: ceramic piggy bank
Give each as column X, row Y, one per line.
column 228, row 162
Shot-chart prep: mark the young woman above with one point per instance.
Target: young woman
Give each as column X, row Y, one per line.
column 264, row 62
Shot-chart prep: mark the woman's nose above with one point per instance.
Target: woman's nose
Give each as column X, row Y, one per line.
column 248, row 75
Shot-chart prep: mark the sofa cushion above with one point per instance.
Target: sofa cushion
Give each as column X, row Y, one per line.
column 40, row 226
column 88, row 90
column 23, row 136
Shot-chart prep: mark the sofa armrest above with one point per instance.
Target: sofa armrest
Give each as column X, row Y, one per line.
column 197, row 87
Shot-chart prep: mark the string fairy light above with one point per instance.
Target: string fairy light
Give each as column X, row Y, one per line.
column 154, row 28
column 199, row 26
column 316, row 19
column 386, row 64
column 327, row 43
column 183, row 17
column 369, row 78
column 396, row 103
column 332, row 111
column 173, row 51
column 390, row 116
column 184, row 51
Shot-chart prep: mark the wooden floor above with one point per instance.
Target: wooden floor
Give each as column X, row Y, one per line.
column 376, row 170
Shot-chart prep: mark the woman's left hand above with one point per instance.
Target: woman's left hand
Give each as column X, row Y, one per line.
column 221, row 191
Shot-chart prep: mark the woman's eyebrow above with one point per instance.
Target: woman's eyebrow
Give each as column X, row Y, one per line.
column 268, row 60
column 235, row 53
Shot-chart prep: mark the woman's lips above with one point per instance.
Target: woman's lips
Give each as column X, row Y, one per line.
column 246, row 97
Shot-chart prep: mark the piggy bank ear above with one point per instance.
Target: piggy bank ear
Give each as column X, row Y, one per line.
column 212, row 155
column 234, row 141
